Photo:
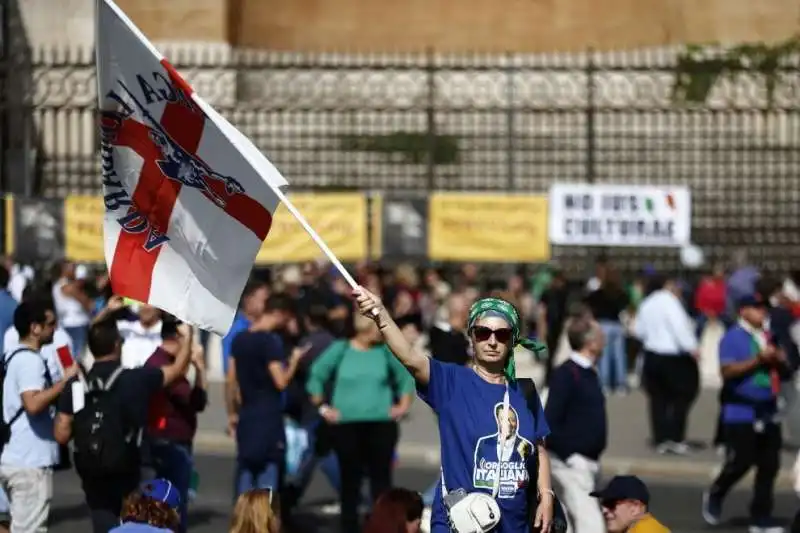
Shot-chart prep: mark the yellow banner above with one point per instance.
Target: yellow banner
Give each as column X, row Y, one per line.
column 83, row 228
column 339, row 218
column 488, row 227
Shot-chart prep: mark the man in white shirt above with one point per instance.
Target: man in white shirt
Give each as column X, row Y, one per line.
column 670, row 375
column 141, row 333
column 27, row 460
column 73, row 306
column 61, row 340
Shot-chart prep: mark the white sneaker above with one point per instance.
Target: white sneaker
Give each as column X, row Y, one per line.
column 680, row 448
column 765, row 528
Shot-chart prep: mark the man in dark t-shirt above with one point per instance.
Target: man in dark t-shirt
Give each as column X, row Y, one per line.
column 131, row 395
column 255, row 384
column 447, row 341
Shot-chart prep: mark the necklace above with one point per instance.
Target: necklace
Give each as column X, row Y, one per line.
column 492, row 378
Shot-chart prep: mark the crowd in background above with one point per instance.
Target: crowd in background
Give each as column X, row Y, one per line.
column 286, row 360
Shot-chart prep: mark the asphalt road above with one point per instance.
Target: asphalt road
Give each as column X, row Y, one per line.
column 676, row 503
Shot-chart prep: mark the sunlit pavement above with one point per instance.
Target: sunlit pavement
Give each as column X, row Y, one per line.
column 675, row 502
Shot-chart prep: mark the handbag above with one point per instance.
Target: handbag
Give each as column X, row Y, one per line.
column 559, row 525
column 476, row 512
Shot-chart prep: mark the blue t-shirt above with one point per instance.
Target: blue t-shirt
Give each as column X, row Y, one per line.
column 133, row 527
column 240, row 323
column 737, row 346
column 260, row 435
column 468, row 429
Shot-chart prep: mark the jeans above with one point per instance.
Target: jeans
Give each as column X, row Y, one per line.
column 174, row 462
column 363, row 448
column 78, row 336
column 614, row 363
column 702, row 321
column 672, row 383
column 266, row 477
column 748, row 448
column 430, row 493
column 104, row 498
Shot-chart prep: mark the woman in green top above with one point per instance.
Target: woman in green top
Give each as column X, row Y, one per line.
column 368, row 391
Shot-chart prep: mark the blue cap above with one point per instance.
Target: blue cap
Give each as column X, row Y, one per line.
column 161, row 490
column 751, row 300
column 624, row 488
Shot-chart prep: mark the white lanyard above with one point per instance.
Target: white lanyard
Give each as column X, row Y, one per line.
column 503, row 434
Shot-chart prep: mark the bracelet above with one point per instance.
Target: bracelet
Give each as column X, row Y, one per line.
column 547, row 491
column 322, row 408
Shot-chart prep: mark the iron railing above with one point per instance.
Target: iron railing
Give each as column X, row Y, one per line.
column 414, row 124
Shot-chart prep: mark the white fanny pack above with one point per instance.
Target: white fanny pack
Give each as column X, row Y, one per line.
column 478, row 512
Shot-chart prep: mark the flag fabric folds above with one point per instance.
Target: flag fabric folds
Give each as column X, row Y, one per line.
column 188, row 198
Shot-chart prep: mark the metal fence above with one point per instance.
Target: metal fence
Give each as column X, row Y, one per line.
column 430, row 122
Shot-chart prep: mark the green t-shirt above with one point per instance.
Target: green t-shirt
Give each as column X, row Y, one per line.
column 363, row 391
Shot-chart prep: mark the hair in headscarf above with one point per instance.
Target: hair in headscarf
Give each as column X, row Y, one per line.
column 506, row 311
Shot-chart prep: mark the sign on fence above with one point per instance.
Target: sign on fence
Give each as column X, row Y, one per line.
column 83, row 228
column 339, row 218
column 619, row 215
column 401, row 226
column 488, row 227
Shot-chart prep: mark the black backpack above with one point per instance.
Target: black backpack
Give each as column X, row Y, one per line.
column 5, row 427
column 104, row 443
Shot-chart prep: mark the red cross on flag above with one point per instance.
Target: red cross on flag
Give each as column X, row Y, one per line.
column 188, row 198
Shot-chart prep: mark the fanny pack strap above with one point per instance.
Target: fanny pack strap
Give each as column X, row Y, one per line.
column 502, row 436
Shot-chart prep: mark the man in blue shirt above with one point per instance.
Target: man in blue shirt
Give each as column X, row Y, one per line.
column 7, row 306
column 750, row 365
column 254, row 297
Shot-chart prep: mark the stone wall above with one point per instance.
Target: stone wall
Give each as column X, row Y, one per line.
column 413, row 25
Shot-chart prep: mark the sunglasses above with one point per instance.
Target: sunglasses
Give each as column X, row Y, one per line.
column 483, row 334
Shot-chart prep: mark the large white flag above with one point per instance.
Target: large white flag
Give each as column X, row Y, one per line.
column 188, row 198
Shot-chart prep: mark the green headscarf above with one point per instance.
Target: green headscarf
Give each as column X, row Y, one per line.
column 509, row 313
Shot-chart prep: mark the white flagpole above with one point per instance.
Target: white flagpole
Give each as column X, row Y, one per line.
column 315, row 236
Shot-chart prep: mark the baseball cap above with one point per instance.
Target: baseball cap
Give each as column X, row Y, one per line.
column 161, row 490
column 624, row 488
column 751, row 300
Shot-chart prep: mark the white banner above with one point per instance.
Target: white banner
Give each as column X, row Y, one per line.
column 619, row 215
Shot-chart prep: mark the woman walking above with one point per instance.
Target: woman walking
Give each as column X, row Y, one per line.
column 489, row 437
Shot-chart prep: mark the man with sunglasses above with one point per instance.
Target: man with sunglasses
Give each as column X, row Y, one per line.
column 624, row 502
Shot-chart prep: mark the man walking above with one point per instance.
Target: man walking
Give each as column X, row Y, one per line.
column 671, row 377
column 576, row 414
column 28, row 458
column 750, row 367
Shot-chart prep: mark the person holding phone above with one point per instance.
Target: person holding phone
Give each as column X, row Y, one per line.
column 254, row 388
column 751, row 367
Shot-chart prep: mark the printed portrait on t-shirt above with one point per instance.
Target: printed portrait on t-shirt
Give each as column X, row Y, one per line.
column 512, row 456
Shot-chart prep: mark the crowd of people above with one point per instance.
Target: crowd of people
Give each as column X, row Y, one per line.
column 120, row 384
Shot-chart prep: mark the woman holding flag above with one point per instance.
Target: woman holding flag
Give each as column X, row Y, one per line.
column 489, row 437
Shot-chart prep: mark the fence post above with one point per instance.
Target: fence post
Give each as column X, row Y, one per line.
column 510, row 124
column 5, row 67
column 431, row 116
column 591, row 141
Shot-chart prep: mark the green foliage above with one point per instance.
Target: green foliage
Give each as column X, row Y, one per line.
column 411, row 147
column 698, row 70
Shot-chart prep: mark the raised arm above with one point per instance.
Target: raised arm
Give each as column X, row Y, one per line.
column 415, row 361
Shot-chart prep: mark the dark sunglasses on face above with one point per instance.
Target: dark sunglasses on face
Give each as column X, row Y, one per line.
column 482, row 334
column 609, row 504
